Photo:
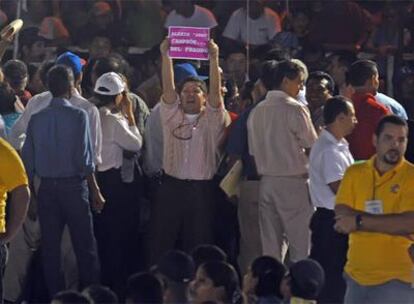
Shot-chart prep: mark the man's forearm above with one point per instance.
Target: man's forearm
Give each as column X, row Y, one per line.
column 395, row 224
column 168, row 87
column 19, row 204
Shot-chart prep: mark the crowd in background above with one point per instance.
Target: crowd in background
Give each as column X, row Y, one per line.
column 125, row 149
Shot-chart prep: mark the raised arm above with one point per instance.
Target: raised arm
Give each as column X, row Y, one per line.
column 168, row 88
column 215, row 99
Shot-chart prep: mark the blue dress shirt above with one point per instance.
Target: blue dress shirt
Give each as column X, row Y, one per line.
column 58, row 142
column 237, row 143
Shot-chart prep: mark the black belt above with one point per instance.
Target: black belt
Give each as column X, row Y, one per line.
column 167, row 177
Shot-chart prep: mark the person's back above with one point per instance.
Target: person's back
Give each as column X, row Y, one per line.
column 363, row 76
column 61, row 121
column 58, row 150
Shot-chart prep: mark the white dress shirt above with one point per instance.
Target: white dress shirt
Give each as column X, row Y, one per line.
column 328, row 160
column 40, row 102
column 117, row 136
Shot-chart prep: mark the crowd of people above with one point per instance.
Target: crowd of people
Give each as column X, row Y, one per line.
column 111, row 165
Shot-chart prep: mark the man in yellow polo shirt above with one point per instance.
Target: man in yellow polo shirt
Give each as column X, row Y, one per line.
column 375, row 205
column 13, row 180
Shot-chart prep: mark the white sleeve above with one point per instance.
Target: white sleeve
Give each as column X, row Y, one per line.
column 17, row 134
column 232, row 30
column 96, row 133
column 169, row 20
column 128, row 138
column 332, row 166
column 210, row 19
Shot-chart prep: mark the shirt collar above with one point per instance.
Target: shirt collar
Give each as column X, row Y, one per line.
column 329, row 136
column 57, row 102
column 392, row 172
column 278, row 94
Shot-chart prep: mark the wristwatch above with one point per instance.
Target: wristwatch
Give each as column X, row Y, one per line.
column 358, row 221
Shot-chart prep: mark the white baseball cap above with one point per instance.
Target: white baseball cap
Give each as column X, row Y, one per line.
column 110, row 84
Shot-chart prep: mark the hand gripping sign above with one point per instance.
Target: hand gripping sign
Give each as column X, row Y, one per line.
column 188, row 42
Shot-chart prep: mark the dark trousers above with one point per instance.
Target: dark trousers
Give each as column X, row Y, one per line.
column 117, row 229
column 182, row 213
column 3, row 260
column 64, row 201
column 329, row 248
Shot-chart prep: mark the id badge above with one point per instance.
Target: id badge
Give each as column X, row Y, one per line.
column 374, row 207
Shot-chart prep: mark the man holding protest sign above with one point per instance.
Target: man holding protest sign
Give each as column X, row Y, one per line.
column 193, row 122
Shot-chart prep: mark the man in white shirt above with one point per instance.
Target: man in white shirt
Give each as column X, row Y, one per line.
column 329, row 158
column 186, row 13
column 258, row 28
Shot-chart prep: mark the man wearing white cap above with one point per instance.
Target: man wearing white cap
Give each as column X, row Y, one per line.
column 117, row 224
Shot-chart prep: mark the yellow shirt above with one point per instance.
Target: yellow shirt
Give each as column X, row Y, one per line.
column 376, row 258
column 12, row 175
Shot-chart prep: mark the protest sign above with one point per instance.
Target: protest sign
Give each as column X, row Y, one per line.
column 188, row 42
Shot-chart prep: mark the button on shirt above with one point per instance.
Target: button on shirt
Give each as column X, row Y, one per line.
column 40, row 102
column 328, row 160
column 279, row 131
column 196, row 158
column 117, row 136
column 58, row 142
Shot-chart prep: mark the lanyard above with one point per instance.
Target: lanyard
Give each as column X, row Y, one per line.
column 373, row 186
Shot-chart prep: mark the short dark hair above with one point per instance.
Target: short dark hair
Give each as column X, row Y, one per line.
column 70, row 296
column 100, row 294
column 60, row 80
column 268, row 68
column 107, row 64
column 44, row 69
column 201, row 84
column 269, row 272
column 333, row 107
column 15, row 71
column 223, row 275
column 206, row 253
column 144, row 287
column 7, row 98
column 361, row 71
column 286, row 68
column 391, row 119
column 320, row 75
column 29, row 36
column 104, row 100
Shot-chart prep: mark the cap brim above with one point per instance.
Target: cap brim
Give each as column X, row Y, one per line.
column 11, row 29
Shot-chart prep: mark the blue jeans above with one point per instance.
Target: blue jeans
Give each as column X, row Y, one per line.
column 393, row 291
column 64, row 201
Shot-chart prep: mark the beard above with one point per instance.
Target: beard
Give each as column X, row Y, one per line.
column 392, row 157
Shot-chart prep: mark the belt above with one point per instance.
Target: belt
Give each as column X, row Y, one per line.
column 167, row 177
column 63, row 179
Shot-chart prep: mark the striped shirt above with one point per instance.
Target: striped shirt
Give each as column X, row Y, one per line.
column 191, row 146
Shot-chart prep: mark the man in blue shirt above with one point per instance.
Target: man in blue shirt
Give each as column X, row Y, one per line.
column 58, row 149
column 237, row 147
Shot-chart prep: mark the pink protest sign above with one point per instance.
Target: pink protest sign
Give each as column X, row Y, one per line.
column 188, row 42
